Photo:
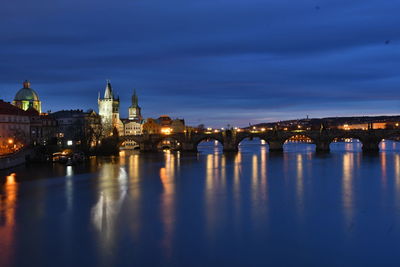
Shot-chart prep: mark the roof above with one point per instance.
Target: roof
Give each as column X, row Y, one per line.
column 32, row 112
column 8, row 109
column 108, row 93
column 26, row 93
column 73, row 113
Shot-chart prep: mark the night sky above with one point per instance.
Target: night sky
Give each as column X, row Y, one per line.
column 208, row 61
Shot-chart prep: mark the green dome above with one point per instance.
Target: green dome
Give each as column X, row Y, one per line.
column 26, row 93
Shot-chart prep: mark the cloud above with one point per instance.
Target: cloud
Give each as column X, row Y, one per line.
column 206, row 60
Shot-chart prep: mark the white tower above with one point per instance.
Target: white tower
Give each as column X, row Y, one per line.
column 109, row 111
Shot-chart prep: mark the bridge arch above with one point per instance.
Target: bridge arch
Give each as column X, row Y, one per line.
column 346, row 143
column 299, row 141
column 168, row 142
column 129, row 142
column 218, row 143
column 299, row 138
column 249, row 142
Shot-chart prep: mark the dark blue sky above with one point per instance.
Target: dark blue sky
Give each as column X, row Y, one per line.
column 210, row 61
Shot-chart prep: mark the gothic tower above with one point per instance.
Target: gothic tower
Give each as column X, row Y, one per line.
column 109, row 111
column 134, row 109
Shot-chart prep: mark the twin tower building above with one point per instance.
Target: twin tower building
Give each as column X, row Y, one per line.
column 109, row 112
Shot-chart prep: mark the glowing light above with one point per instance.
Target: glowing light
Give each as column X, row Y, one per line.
column 262, row 129
column 166, row 130
column 263, row 142
column 69, row 143
column 10, row 141
column 11, row 179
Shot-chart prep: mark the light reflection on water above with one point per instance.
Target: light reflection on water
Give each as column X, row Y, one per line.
column 8, row 203
column 210, row 209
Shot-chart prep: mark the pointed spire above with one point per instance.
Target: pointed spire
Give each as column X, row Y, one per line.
column 135, row 100
column 108, row 93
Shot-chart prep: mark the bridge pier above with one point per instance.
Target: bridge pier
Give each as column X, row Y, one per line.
column 189, row 147
column 230, row 147
column 370, row 145
column 322, row 146
column 276, row 145
column 147, row 147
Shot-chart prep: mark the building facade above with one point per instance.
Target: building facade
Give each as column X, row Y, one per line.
column 27, row 98
column 78, row 128
column 109, row 111
column 14, row 128
column 163, row 125
column 43, row 128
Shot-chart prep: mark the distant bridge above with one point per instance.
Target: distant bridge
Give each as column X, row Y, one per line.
column 230, row 139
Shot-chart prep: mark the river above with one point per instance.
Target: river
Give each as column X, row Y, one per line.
column 252, row 208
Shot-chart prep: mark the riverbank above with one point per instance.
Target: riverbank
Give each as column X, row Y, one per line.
column 15, row 159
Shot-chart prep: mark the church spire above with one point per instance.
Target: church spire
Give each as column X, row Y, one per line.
column 108, row 93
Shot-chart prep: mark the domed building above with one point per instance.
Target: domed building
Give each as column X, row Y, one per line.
column 26, row 97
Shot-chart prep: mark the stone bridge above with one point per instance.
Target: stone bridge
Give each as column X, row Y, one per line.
column 230, row 139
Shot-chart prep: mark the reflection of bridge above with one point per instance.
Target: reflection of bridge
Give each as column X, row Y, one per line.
column 230, row 139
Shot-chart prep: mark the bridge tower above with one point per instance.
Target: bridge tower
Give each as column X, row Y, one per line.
column 135, row 110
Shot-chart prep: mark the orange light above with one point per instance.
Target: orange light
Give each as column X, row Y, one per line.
column 166, row 131
column 10, row 141
column 11, row 179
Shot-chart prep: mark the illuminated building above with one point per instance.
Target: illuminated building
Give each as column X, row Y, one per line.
column 134, row 124
column 14, row 127
column 132, row 127
column 363, row 126
column 164, row 125
column 27, row 98
column 109, row 111
column 151, row 126
column 134, row 110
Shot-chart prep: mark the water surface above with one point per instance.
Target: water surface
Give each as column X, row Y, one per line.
column 207, row 209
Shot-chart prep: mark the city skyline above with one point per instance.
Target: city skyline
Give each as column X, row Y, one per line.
column 210, row 63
